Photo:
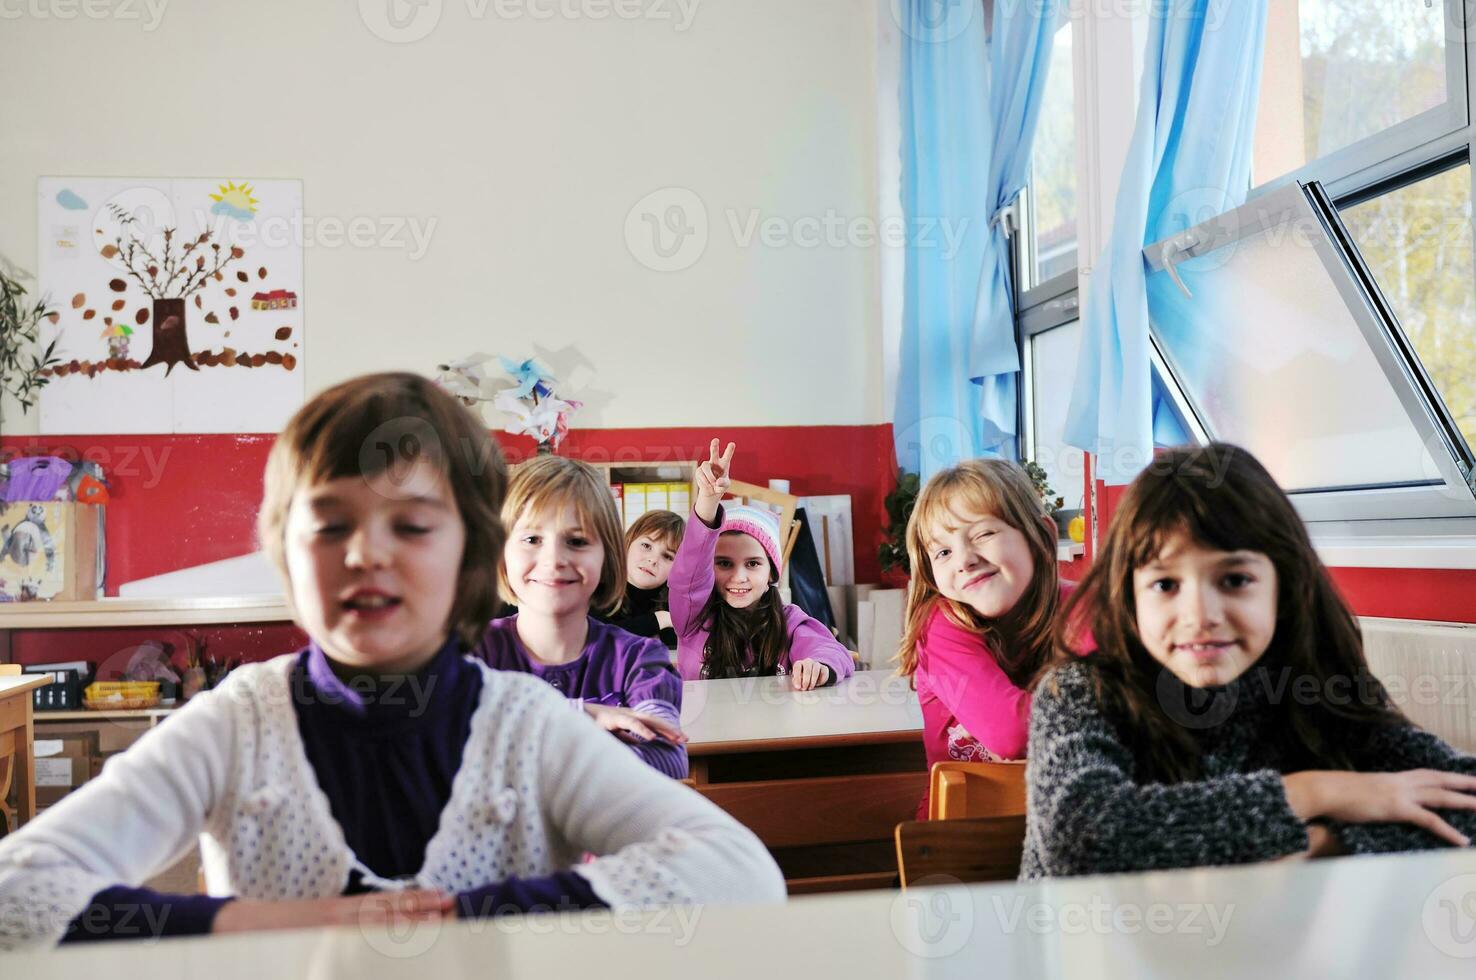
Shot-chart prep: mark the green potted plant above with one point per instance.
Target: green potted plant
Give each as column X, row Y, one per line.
column 23, row 372
column 899, row 504
column 1048, row 498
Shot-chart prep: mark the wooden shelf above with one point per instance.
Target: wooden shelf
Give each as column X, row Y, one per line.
column 143, row 612
column 87, row 714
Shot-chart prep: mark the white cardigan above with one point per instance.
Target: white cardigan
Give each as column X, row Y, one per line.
column 539, row 785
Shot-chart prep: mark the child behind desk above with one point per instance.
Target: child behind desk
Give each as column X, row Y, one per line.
column 564, row 553
column 378, row 758
column 980, row 611
column 651, row 544
column 725, row 605
column 1211, row 703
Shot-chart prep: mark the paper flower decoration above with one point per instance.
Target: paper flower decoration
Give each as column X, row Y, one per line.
column 467, row 379
column 530, row 376
column 536, row 411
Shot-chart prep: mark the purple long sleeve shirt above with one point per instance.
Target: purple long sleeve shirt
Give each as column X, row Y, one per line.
column 616, row 668
column 689, row 587
column 384, row 751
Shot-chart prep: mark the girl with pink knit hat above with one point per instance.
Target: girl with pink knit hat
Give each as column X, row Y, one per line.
column 723, row 595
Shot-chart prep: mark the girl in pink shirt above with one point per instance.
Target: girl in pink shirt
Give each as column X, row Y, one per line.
column 723, row 594
column 983, row 600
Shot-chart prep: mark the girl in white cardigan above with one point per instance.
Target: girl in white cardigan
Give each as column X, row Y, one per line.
column 378, row 773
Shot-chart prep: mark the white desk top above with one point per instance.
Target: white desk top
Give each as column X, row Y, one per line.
column 767, row 709
column 20, row 683
column 1395, row 916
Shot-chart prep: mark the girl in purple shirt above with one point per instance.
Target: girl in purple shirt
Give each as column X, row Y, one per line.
column 565, row 553
column 724, row 596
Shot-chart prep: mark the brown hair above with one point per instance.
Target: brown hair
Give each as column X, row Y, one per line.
column 386, row 423
column 663, row 525
column 546, row 482
column 1222, row 498
column 1020, row 639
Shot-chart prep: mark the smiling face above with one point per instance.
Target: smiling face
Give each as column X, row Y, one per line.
column 648, row 562
column 1206, row 615
column 553, row 562
column 740, row 569
column 373, row 569
column 982, row 562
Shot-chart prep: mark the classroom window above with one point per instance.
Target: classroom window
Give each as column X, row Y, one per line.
column 1049, row 220
column 1278, row 342
column 1417, row 240
column 1343, row 75
column 1052, row 367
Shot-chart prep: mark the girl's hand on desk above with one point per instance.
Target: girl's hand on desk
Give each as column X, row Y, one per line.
column 1384, row 797
column 632, row 726
column 376, row 908
column 806, row 675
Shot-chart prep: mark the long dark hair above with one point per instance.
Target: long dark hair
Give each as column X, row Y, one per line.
column 746, row 642
column 1222, row 498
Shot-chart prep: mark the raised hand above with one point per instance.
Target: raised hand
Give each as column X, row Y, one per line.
column 714, row 477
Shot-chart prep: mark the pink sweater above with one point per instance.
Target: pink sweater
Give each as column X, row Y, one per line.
column 690, row 586
column 972, row 712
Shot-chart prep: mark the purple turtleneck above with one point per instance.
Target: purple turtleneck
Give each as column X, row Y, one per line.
column 384, row 750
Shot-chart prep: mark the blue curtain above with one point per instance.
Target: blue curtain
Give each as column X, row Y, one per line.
column 970, row 101
column 1190, row 159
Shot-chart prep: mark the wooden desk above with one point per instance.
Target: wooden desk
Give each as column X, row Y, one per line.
column 823, row 777
column 16, row 730
column 1393, row 916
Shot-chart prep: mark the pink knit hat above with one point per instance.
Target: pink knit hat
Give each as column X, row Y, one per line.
column 761, row 525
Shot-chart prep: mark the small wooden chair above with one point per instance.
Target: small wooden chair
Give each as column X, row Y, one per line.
column 978, row 849
column 7, row 762
column 959, row 790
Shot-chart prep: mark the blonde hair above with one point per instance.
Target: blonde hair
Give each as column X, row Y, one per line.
column 1021, row 639
column 663, row 525
column 548, row 482
column 384, row 422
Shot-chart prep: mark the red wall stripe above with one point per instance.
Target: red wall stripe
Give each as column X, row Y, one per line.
column 179, row 501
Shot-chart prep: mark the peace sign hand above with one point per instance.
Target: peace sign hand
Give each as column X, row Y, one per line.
column 714, row 477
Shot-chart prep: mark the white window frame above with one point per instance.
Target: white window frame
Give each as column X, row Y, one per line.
column 1409, row 144
column 1455, row 497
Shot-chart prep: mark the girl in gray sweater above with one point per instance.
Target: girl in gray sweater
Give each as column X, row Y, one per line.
column 1210, row 702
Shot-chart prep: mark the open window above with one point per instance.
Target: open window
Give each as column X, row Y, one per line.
column 1276, row 337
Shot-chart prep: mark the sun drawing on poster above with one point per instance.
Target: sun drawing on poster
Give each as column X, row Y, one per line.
column 234, row 200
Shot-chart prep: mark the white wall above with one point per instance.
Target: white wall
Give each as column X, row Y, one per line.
column 522, row 144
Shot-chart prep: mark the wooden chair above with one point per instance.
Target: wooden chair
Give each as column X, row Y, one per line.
column 7, row 762
column 978, row 849
column 959, row 790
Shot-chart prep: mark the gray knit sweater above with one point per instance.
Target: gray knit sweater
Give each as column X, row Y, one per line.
column 1090, row 813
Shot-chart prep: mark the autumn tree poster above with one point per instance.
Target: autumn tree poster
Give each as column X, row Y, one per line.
column 179, row 304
